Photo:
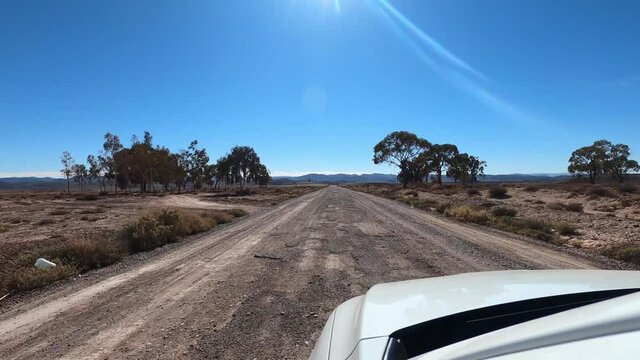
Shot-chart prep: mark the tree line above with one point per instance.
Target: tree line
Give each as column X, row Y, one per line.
column 151, row 168
column 602, row 158
column 419, row 160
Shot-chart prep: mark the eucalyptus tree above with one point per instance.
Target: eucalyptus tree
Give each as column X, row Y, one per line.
column 67, row 168
column 400, row 148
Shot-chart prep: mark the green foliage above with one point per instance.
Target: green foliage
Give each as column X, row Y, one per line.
column 603, row 157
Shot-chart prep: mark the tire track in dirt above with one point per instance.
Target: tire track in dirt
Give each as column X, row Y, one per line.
column 211, row 298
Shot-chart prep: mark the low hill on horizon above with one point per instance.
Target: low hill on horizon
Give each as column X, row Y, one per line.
column 54, row 184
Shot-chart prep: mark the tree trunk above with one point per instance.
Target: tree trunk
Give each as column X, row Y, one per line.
column 68, row 186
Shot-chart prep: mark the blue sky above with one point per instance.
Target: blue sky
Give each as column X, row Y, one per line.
column 312, row 85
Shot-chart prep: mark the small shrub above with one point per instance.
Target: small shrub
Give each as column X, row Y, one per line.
column 503, row 211
column 598, row 191
column 442, row 207
column 87, row 197
column 145, row 233
column 575, row 243
column 58, row 212
column 555, row 206
column 531, row 188
column 528, row 227
column 574, row 206
column 473, row 191
column 629, row 252
column 627, row 188
column 244, row 192
column 468, row 214
column 498, row 192
column 566, row 229
column 236, row 212
column 46, row 221
column 27, row 278
column 538, row 202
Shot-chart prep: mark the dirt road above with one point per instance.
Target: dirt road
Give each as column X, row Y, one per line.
column 212, row 298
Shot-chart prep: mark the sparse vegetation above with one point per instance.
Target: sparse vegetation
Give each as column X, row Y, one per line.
column 531, row 188
column 573, row 206
column 566, row 229
column 627, row 188
column 58, row 212
column 46, row 221
column 87, row 197
column 473, row 191
column 503, row 211
column 468, row 214
column 77, row 256
column 155, row 230
column 30, row 278
column 629, row 252
column 498, row 192
column 599, row 191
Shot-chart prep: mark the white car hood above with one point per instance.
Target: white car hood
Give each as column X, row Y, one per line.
column 386, row 308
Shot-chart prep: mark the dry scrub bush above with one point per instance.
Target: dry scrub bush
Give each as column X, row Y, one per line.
column 627, row 188
column 527, row 227
column 87, row 197
column 503, row 211
column 598, row 191
column 629, row 252
column 566, row 229
column 46, row 222
column 555, row 206
column 531, row 188
column 473, row 191
column 30, row 277
column 58, row 212
column 468, row 214
column 575, row 207
column 155, row 230
column 497, row 192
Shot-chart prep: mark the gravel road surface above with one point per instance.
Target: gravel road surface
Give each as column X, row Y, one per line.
column 262, row 287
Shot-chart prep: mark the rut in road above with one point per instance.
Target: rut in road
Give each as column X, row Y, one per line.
column 211, row 298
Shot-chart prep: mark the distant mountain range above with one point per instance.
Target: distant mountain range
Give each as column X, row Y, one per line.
column 48, row 183
column 391, row 178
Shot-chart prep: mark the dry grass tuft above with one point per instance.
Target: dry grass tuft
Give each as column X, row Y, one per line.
column 468, row 214
column 503, row 211
column 629, row 252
